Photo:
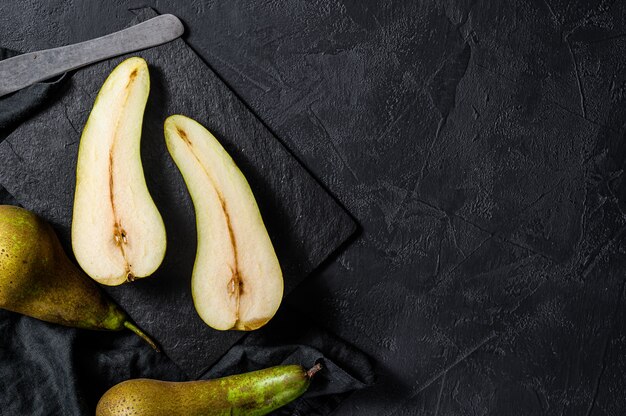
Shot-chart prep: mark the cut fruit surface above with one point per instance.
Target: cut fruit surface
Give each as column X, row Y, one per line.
column 117, row 232
column 237, row 282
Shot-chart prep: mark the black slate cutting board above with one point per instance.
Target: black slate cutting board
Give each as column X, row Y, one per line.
column 304, row 222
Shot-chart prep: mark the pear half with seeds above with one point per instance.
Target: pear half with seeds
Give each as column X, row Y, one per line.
column 117, row 232
column 237, row 282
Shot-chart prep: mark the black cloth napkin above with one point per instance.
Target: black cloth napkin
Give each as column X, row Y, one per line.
column 24, row 103
column 290, row 338
column 50, row 370
column 47, row 369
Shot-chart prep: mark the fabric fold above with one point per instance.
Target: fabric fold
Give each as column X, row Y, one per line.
column 16, row 107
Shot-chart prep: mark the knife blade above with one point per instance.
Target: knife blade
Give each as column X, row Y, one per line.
column 23, row 70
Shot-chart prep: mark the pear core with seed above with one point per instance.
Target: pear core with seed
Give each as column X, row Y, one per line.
column 237, row 282
column 117, row 232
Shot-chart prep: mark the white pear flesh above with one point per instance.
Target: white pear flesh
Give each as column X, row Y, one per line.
column 117, row 232
column 237, row 282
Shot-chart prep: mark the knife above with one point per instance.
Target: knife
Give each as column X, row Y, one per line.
column 23, row 70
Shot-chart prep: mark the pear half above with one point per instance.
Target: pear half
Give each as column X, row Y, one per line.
column 237, row 282
column 117, row 232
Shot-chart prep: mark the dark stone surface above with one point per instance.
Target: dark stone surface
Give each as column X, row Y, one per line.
column 304, row 222
column 480, row 143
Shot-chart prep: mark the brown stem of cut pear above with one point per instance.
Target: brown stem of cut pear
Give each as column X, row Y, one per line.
column 311, row 372
column 141, row 335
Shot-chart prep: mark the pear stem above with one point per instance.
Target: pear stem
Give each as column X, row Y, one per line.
column 141, row 335
column 311, row 372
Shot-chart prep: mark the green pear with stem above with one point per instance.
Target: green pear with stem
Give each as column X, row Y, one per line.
column 37, row 278
column 251, row 394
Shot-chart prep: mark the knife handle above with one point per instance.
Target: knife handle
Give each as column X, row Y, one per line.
column 23, row 70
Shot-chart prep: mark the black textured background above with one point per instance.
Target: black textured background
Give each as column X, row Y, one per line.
column 479, row 143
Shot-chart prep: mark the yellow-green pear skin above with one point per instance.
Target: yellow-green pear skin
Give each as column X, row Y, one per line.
column 37, row 278
column 118, row 234
column 251, row 394
column 237, row 282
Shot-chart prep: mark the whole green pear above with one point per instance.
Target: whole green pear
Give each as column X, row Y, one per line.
column 251, row 394
column 39, row 280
